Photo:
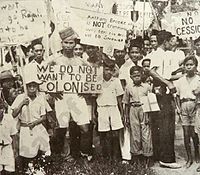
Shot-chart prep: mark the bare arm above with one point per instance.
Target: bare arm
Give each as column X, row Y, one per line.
column 18, row 109
column 120, row 106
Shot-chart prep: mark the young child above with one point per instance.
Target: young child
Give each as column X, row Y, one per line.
column 141, row 141
column 31, row 110
column 7, row 133
column 109, row 108
column 146, row 64
column 187, row 105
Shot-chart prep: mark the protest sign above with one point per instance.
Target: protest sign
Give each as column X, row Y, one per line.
column 21, row 20
column 145, row 15
column 70, row 79
column 124, row 8
column 185, row 24
column 102, row 6
column 100, row 29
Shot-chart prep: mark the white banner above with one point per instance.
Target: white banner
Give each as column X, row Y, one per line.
column 21, row 20
column 100, row 29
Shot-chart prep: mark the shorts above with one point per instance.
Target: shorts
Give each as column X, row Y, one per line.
column 72, row 107
column 7, row 158
column 109, row 118
column 188, row 113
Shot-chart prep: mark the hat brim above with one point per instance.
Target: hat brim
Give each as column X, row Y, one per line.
column 34, row 81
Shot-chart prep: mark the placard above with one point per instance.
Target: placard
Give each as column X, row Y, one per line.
column 70, row 79
column 21, row 20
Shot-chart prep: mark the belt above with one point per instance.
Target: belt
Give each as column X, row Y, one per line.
column 187, row 100
column 136, row 104
column 24, row 124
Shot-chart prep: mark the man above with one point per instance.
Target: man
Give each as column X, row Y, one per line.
column 72, row 105
column 163, row 125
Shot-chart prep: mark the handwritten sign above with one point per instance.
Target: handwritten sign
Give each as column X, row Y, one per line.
column 124, row 8
column 103, row 6
column 21, row 20
column 100, row 29
column 70, row 79
column 186, row 24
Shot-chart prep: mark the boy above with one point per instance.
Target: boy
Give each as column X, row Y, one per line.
column 7, row 133
column 186, row 87
column 31, row 110
column 141, row 143
column 109, row 118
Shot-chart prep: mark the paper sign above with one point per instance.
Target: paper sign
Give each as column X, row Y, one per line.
column 21, row 20
column 70, row 79
column 100, row 29
column 186, row 24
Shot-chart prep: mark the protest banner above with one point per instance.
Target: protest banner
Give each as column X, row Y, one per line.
column 124, row 8
column 70, row 79
column 145, row 16
column 21, row 20
column 185, row 24
column 102, row 6
column 100, row 29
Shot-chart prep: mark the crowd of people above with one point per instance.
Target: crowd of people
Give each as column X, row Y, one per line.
column 35, row 124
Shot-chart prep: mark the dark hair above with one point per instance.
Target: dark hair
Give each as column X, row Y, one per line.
column 146, row 59
column 196, row 40
column 36, row 42
column 136, row 68
column 138, row 42
column 191, row 57
column 164, row 35
column 107, row 62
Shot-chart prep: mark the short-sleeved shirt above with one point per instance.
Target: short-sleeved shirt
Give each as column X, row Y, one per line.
column 185, row 88
column 37, row 107
column 134, row 92
column 7, row 129
column 164, row 61
column 110, row 91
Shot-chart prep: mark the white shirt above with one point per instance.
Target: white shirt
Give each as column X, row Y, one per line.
column 185, row 88
column 7, row 129
column 110, row 91
column 37, row 107
column 164, row 61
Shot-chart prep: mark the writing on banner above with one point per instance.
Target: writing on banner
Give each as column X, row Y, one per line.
column 61, row 10
column 124, row 8
column 102, row 6
column 186, row 24
column 100, row 29
column 70, row 79
column 21, row 20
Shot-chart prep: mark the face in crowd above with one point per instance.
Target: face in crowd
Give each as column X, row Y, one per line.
column 190, row 66
column 32, row 89
column 8, row 83
column 78, row 50
column 134, row 53
column 173, row 42
column 154, row 42
column 147, row 46
column 119, row 54
column 136, row 77
column 197, row 47
column 91, row 51
column 107, row 73
column 68, row 45
column 38, row 51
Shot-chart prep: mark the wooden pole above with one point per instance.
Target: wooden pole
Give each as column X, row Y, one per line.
column 21, row 56
column 143, row 25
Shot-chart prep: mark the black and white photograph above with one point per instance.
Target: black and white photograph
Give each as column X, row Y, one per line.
column 99, row 87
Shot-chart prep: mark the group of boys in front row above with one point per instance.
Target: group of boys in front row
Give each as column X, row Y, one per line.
column 118, row 108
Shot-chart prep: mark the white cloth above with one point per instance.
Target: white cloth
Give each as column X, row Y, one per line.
column 31, row 141
column 125, row 143
column 110, row 90
column 7, row 129
column 185, row 88
column 164, row 60
column 72, row 106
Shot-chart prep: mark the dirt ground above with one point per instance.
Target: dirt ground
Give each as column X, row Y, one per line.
column 180, row 158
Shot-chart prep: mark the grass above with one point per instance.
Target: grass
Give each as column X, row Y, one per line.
column 98, row 166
